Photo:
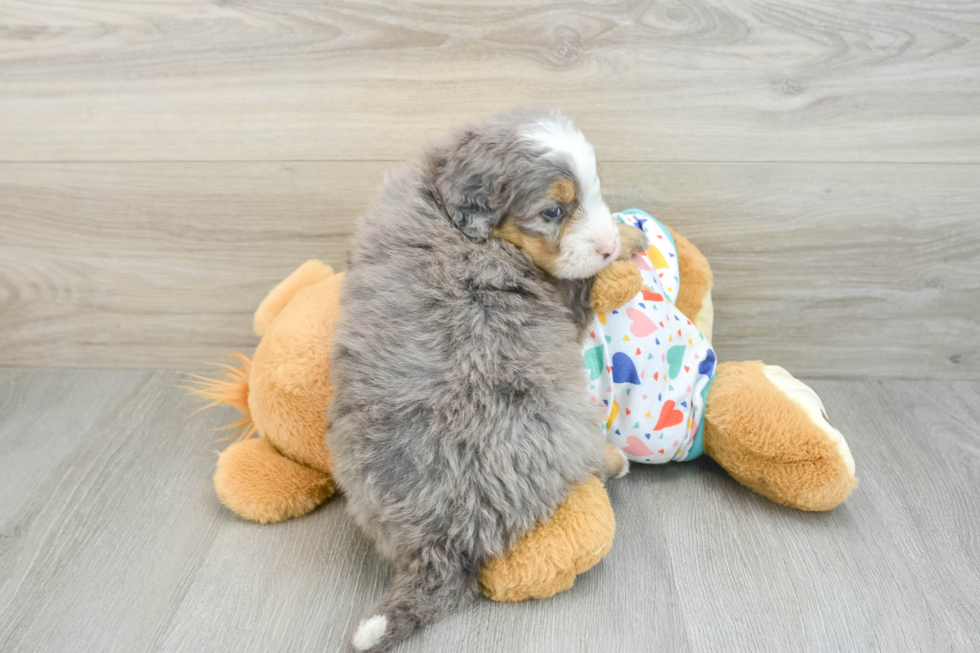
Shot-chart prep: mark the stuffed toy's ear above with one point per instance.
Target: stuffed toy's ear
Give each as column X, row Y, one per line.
column 309, row 273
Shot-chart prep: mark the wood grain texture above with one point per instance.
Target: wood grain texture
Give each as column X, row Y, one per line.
column 111, row 539
column 830, row 270
column 795, row 80
column 111, row 264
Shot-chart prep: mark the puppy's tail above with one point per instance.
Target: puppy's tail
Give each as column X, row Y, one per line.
column 414, row 600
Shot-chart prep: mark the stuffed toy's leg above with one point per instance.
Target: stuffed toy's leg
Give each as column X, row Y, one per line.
column 766, row 428
column 256, row 481
column 547, row 560
column 770, row 432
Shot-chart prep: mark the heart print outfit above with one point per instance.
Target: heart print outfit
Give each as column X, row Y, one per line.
column 648, row 364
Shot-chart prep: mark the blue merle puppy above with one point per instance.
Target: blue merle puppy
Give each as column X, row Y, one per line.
column 460, row 417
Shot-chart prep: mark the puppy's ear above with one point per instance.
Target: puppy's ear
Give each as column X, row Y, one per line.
column 470, row 181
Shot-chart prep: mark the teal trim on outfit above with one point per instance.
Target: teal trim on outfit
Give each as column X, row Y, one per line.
column 697, row 446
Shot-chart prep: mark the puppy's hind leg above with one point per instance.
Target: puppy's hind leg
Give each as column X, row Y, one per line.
column 614, row 463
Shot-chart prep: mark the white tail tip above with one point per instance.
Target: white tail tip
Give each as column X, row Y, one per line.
column 370, row 632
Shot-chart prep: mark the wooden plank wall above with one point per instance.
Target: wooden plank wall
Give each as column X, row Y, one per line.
column 162, row 165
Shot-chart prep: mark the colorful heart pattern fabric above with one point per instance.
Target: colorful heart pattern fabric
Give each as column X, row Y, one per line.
column 648, row 364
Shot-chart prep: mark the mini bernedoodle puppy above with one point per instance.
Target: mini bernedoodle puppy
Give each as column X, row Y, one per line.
column 460, row 416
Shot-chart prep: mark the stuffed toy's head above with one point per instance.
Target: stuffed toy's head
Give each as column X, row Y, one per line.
column 282, row 392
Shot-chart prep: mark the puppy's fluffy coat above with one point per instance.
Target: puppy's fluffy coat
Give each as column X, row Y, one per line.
column 460, row 416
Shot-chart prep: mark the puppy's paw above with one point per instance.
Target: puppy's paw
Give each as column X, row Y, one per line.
column 626, row 465
column 634, row 241
column 615, row 463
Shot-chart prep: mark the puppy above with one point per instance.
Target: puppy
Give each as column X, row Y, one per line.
column 461, row 415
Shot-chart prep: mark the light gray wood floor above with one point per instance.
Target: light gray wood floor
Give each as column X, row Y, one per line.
column 111, row 539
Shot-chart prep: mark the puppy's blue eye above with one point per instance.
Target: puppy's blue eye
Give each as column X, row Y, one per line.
column 552, row 214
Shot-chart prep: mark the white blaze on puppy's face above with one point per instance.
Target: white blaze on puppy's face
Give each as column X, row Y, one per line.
column 591, row 240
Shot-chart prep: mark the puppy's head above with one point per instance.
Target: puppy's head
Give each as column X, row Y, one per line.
column 529, row 178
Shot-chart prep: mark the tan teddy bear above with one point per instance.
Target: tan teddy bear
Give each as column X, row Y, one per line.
column 763, row 426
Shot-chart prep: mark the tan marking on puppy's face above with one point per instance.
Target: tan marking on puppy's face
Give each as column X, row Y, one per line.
column 552, row 204
column 569, row 224
column 562, row 191
column 539, row 236
column 542, row 250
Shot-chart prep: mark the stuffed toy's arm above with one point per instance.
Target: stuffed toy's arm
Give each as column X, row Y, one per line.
column 694, row 293
column 620, row 281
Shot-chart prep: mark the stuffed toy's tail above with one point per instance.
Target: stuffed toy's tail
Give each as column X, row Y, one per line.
column 414, row 600
column 253, row 478
column 229, row 389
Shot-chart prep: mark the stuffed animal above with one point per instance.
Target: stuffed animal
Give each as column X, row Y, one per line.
column 764, row 427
